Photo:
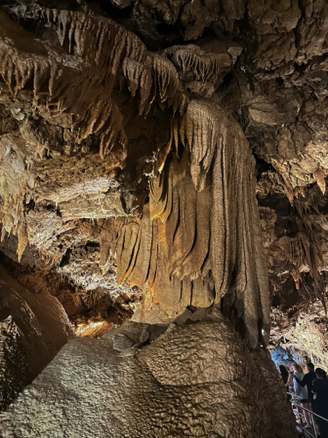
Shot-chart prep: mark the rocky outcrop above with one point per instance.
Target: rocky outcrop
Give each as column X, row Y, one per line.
column 185, row 248
column 300, row 336
column 131, row 133
column 29, row 336
column 264, row 63
column 195, row 379
column 201, row 209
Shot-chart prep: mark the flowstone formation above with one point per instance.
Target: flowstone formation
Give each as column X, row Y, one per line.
column 195, row 205
column 195, row 379
column 131, row 137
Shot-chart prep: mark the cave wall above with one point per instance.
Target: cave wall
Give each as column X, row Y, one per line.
column 60, row 187
column 264, row 63
column 195, row 378
column 30, row 336
column 128, row 132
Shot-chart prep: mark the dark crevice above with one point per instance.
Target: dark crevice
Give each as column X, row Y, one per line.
column 113, row 11
column 278, row 202
column 262, row 166
column 65, row 259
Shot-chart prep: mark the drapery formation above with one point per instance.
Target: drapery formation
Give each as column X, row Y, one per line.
column 198, row 241
column 196, row 238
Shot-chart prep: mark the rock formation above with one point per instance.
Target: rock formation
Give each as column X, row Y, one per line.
column 195, row 379
column 30, row 336
column 134, row 138
column 178, row 240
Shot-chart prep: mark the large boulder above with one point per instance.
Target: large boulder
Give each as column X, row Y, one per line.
column 196, row 379
column 29, row 336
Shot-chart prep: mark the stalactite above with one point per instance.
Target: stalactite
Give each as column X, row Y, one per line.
column 118, row 53
column 201, row 66
column 203, row 186
column 166, row 77
column 142, row 261
column 320, row 178
column 139, row 78
column 126, row 248
column 126, row 52
column 200, row 131
column 22, row 237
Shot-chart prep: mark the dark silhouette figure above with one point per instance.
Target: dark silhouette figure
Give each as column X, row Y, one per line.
column 320, row 395
column 308, row 379
column 285, row 376
column 284, row 373
column 301, row 391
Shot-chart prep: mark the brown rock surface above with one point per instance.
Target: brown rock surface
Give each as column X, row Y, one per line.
column 131, row 133
column 67, row 184
column 29, row 337
column 195, row 379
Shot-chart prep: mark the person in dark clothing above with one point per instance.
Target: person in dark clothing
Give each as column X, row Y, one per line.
column 284, row 373
column 308, row 379
column 320, row 391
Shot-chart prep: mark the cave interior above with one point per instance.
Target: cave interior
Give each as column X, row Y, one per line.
column 163, row 214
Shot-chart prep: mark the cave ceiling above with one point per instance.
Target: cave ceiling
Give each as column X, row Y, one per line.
column 111, row 116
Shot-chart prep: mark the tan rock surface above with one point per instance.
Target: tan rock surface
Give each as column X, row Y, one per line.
column 128, row 137
column 196, row 379
column 30, row 337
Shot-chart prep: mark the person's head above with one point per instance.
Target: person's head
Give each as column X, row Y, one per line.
column 296, row 367
column 310, row 366
column 292, row 366
column 320, row 373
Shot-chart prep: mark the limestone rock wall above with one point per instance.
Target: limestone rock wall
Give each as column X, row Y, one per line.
column 195, row 379
column 67, row 82
column 264, row 63
column 29, row 336
column 123, row 154
column 86, row 158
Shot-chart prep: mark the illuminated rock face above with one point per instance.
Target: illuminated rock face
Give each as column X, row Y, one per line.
column 128, row 170
column 195, row 379
column 179, row 236
column 201, row 210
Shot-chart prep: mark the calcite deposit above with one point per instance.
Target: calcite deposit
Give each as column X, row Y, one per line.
column 156, row 156
column 195, row 378
column 179, row 234
column 30, row 337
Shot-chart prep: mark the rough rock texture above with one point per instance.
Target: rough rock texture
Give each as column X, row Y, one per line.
column 188, row 239
column 29, row 336
column 196, row 379
column 131, row 133
column 263, row 62
column 105, row 301
column 302, row 336
column 67, row 82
